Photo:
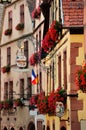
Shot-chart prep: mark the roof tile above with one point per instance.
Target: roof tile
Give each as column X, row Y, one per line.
column 73, row 13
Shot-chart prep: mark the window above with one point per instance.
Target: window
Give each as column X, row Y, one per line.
column 10, row 19
column 39, row 39
column 11, row 90
column 37, row 42
column 21, row 88
column 22, row 13
column 65, row 69
column 40, row 81
column 26, row 51
column 59, row 70
column 29, row 88
column 9, row 56
column 53, row 76
column 5, row 90
column 53, row 124
column 39, row 125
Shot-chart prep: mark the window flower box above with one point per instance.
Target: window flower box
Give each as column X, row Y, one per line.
column 36, row 13
column 81, row 78
column 7, row 104
column 5, row 69
column 8, row 32
column 20, row 26
column 17, row 103
column 33, row 100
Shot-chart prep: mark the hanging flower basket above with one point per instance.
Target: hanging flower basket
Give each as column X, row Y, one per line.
column 20, row 26
column 34, row 59
column 8, row 32
column 81, row 78
column 36, row 13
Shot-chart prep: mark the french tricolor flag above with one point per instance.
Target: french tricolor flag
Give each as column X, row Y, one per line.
column 34, row 78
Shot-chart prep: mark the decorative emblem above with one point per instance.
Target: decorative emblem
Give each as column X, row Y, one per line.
column 21, row 59
column 59, row 109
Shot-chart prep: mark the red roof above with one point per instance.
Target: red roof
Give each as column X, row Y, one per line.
column 73, row 13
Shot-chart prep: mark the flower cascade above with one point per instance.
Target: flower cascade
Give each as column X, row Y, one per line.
column 42, row 103
column 81, row 78
column 56, row 96
column 36, row 13
column 33, row 100
column 47, row 104
column 52, row 36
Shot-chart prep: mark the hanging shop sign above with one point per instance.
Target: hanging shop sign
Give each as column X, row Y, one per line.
column 59, row 109
column 21, row 59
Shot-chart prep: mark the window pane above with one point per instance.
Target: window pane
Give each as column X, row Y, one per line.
column 9, row 56
column 10, row 19
column 21, row 88
column 29, row 88
column 11, row 90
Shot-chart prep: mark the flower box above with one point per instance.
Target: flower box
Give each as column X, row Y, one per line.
column 81, row 78
column 7, row 104
column 8, row 32
column 20, row 26
column 33, row 100
column 17, row 103
column 5, row 69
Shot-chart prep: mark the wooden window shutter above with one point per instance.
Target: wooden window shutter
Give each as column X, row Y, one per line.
column 29, row 88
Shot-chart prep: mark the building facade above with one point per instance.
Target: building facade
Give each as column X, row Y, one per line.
column 16, row 48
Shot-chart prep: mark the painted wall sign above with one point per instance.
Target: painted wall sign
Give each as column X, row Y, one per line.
column 21, row 59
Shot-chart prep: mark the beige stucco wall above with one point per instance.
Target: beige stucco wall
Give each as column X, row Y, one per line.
column 22, row 114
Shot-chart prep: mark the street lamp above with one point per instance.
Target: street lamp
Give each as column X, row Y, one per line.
column 5, row 1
